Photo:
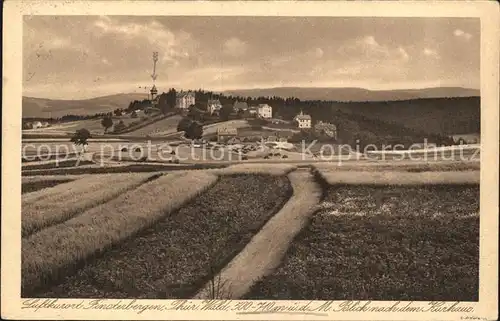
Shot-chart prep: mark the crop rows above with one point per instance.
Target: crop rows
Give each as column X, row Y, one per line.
column 384, row 243
column 48, row 207
column 49, row 253
column 180, row 253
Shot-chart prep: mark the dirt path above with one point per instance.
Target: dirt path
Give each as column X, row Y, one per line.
column 267, row 248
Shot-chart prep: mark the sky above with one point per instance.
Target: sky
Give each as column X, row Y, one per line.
column 76, row 57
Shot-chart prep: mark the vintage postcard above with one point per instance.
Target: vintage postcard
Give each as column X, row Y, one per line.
column 186, row 160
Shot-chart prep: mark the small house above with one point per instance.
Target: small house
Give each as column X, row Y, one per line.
column 303, row 120
column 185, row 99
column 265, row 111
column 253, row 110
column 37, row 124
column 240, row 105
column 213, row 106
column 226, row 133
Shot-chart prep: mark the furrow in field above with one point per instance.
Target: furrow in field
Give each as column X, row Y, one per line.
column 51, row 253
column 266, row 249
column 55, row 205
column 28, row 187
column 179, row 254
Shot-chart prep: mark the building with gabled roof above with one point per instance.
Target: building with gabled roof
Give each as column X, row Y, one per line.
column 265, row 111
column 185, row 99
column 303, row 120
column 225, row 133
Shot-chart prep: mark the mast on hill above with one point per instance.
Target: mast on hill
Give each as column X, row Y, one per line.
column 153, row 90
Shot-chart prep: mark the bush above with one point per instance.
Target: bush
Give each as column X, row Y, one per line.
column 284, row 156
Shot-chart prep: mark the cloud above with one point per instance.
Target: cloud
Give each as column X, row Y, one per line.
column 369, row 49
column 172, row 46
column 403, row 53
column 235, row 47
column 462, row 34
column 430, row 53
column 317, row 53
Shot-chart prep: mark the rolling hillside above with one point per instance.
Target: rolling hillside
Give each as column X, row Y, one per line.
column 354, row 94
column 445, row 116
column 42, row 107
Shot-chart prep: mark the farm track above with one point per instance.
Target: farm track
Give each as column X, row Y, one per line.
column 266, row 249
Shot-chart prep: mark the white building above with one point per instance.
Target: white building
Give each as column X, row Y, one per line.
column 303, row 120
column 265, row 111
column 213, row 105
column 37, row 124
column 184, row 100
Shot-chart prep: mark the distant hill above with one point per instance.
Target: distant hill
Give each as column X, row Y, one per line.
column 42, row 107
column 354, row 94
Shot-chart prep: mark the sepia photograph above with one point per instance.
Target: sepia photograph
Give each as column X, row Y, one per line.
column 259, row 158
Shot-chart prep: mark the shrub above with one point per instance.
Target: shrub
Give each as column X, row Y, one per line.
column 284, row 156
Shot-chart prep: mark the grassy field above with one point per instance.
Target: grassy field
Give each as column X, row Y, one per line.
column 164, row 126
column 384, row 243
column 55, row 251
column 58, row 164
column 51, row 207
column 272, row 169
column 93, row 125
column 414, row 167
column 399, row 177
column 176, row 257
